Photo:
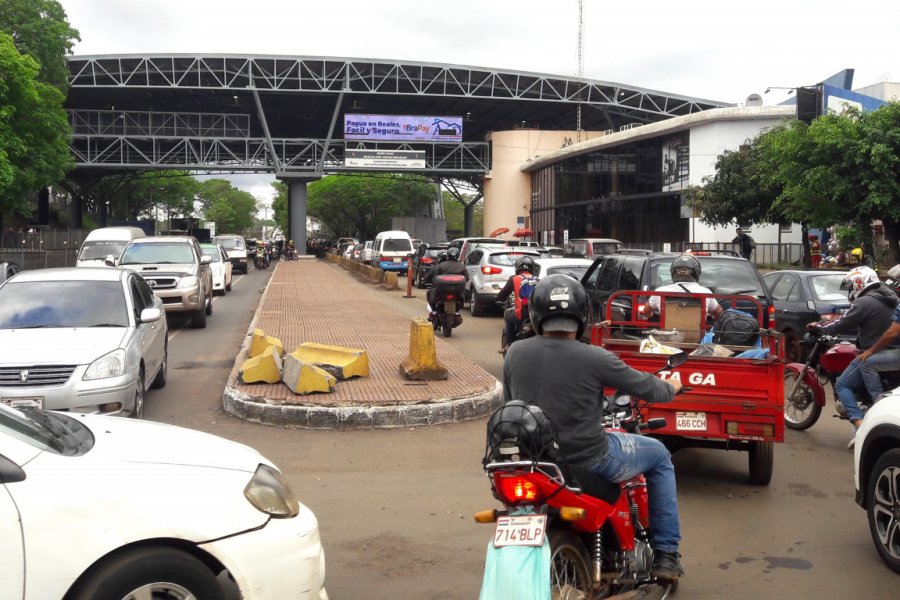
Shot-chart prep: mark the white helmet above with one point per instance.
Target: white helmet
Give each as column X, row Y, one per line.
column 894, row 278
column 858, row 280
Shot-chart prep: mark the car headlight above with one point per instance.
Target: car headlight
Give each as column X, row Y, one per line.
column 269, row 493
column 188, row 282
column 108, row 365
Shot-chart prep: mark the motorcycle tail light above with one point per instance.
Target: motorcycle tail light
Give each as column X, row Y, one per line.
column 517, row 488
column 757, row 429
column 489, row 270
column 426, row 261
column 451, row 297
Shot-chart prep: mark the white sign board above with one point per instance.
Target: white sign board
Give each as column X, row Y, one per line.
column 385, row 159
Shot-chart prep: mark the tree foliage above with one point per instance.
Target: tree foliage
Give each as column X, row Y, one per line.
column 40, row 29
column 232, row 209
column 135, row 195
column 33, row 148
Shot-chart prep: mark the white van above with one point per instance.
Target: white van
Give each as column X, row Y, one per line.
column 391, row 250
column 105, row 242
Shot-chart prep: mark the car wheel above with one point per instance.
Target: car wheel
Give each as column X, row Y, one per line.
column 883, row 507
column 198, row 319
column 228, row 285
column 477, row 307
column 209, row 305
column 137, row 411
column 793, row 352
column 159, row 573
column 163, row 374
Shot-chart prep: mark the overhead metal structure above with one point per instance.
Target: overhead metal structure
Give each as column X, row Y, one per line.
column 278, row 113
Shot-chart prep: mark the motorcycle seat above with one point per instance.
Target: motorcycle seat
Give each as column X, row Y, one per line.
column 595, row 486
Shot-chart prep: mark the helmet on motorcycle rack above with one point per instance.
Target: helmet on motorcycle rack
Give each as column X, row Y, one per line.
column 453, row 253
column 858, row 280
column 558, row 296
column 526, row 263
column 685, row 268
column 520, row 431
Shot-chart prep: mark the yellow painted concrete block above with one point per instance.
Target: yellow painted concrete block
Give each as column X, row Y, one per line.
column 261, row 341
column 422, row 363
column 303, row 378
column 390, row 281
column 265, row 368
column 341, row 362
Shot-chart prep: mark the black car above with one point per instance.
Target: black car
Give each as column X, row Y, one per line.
column 722, row 273
column 424, row 259
column 803, row 297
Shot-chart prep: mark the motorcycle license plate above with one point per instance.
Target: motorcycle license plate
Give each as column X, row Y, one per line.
column 521, row 530
column 450, row 306
column 690, row 421
column 26, row 401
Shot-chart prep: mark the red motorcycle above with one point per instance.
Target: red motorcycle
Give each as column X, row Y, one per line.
column 597, row 530
column 804, row 384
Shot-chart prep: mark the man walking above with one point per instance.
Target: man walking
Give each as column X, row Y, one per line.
column 745, row 243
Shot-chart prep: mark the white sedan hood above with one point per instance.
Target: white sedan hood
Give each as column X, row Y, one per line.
column 69, row 346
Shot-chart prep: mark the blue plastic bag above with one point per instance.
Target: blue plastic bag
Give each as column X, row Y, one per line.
column 516, row 572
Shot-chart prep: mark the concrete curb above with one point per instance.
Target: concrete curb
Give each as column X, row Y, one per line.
column 258, row 409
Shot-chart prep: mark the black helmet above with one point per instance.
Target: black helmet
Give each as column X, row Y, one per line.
column 453, row 253
column 442, row 256
column 684, row 268
column 520, row 431
column 556, row 295
column 526, row 263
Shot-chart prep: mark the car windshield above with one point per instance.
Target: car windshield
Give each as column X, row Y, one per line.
column 605, row 247
column 100, row 249
column 571, row 270
column 826, row 287
column 231, row 243
column 721, row 275
column 47, row 431
column 157, row 253
column 38, row 304
column 506, row 259
column 212, row 252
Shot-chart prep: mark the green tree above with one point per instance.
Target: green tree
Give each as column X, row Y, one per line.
column 232, row 209
column 33, row 149
column 40, row 29
column 363, row 205
column 455, row 214
column 280, row 206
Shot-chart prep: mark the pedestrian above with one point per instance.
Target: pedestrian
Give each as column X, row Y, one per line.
column 746, row 244
column 815, row 251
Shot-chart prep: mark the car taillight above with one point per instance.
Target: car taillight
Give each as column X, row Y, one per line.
column 771, row 311
column 489, row 270
column 517, row 489
column 451, row 297
column 426, row 261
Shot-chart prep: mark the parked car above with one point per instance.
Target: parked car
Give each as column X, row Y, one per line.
column 592, row 247
column 801, row 297
column 345, row 250
column 876, row 474
column 105, row 242
column 177, row 271
column 722, row 273
column 8, row 269
column 489, row 268
column 236, row 249
column 424, row 260
column 85, row 339
column 94, row 507
column 365, row 255
column 220, row 267
column 574, row 267
column 357, row 251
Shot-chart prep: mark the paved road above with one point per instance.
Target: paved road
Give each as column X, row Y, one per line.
column 395, row 506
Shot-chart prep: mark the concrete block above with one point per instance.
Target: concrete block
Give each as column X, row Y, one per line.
column 265, row 368
column 343, row 363
column 422, row 363
column 390, row 281
column 261, row 341
column 303, row 378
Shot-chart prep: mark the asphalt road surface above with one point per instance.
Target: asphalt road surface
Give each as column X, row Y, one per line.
column 395, row 506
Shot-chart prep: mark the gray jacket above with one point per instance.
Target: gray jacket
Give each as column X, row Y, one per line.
column 870, row 314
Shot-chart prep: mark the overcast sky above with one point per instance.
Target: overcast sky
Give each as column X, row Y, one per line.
column 712, row 49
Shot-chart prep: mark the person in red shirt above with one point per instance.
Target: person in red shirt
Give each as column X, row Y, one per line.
column 815, row 251
column 524, row 271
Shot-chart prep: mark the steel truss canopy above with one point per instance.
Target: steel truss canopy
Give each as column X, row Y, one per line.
column 284, row 114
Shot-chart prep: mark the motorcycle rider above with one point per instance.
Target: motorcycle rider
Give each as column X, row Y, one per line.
column 524, row 273
column 566, row 378
column 685, row 271
column 448, row 265
column 872, row 304
column 884, row 355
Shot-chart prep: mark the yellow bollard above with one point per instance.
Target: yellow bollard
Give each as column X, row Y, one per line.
column 422, row 363
column 261, row 341
column 265, row 368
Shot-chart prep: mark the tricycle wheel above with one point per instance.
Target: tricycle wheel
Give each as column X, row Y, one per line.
column 762, row 462
column 801, row 411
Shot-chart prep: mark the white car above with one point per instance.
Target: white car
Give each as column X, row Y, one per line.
column 489, row 268
column 876, row 462
column 83, row 339
column 220, row 267
column 575, row 267
column 94, row 507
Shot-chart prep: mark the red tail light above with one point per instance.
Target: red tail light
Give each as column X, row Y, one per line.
column 771, row 312
column 489, row 270
column 517, row 488
column 426, row 260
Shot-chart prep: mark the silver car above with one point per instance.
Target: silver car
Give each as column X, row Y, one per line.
column 489, row 268
column 87, row 339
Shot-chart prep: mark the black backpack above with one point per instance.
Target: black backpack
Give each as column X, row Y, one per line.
column 736, row 328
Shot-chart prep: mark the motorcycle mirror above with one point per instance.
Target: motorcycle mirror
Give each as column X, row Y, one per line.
column 676, row 360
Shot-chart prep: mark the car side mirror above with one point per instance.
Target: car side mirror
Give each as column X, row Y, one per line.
column 148, row 315
column 205, row 260
column 110, row 260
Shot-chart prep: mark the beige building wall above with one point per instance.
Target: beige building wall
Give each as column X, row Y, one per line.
column 507, row 190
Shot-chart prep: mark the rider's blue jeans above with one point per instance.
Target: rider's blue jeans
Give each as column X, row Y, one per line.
column 857, row 375
column 628, row 456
